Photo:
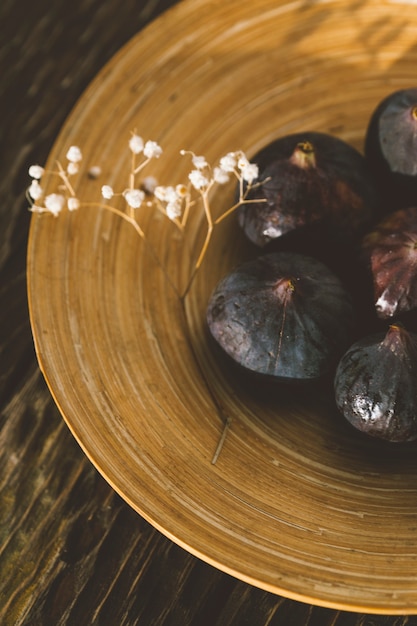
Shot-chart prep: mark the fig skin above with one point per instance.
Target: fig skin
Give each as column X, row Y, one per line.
column 282, row 315
column 375, row 385
column 390, row 251
column 307, row 178
column 391, row 148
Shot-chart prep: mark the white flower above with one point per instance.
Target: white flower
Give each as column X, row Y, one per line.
column 36, row 171
column 181, row 191
column 171, row 194
column 228, row 162
column 198, row 180
column 35, row 190
column 134, row 197
column 94, row 171
column 73, row 204
column 72, row 167
column 199, row 162
column 250, row 172
column 107, row 192
column 35, row 208
column 136, row 144
column 160, row 192
column 152, row 150
column 220, row 176
column 149, row 184
column 173, row 198
column 242, row 161
column 74, row 154
column 54, row 203
column 173, row 209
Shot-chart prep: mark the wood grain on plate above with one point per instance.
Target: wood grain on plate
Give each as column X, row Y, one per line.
column 297, row 504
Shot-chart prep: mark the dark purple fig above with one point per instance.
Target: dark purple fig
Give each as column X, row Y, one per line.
column 306, row 178
column 375, row 385
column 283, row 315
column 391, row 253
column 391, row 148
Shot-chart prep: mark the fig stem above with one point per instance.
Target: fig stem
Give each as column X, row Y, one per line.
column 304, row 155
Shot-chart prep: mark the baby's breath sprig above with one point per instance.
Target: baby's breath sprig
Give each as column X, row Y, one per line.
column 174, row 201
column 203, row 178
column 55, row 202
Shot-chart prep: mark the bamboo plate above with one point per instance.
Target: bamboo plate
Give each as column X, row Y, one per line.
column 297, row 503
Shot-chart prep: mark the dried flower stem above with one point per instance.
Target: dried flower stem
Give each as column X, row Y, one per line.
column 125, row 216
column 206, row 242
column 65, row 179
column 227, row 425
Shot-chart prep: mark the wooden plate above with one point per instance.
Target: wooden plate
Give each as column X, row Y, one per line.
column 297, row 503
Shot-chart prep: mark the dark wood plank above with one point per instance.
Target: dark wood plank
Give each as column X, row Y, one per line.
column 71, row 551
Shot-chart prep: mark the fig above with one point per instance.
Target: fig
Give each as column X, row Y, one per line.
column 390, row 250
column 283, row 315
column 391, row 148
column 375, row 385
column 306, row 178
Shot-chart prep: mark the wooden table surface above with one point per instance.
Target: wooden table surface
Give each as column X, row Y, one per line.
column 71, row 551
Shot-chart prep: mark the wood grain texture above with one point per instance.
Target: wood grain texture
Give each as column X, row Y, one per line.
column 71, row 551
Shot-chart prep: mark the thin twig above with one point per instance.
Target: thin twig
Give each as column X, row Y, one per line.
column 225, row 419
column 205, row 245
column 65, row 178
column 140, row 167
column 159, row 207
column 132, row 171
column 234, row 207
column 222, row 439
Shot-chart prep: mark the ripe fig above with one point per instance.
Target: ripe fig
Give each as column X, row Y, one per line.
column 390, row 251
column 391, row 148
column 305, row 178
column 375, row 385
column 283, row 315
